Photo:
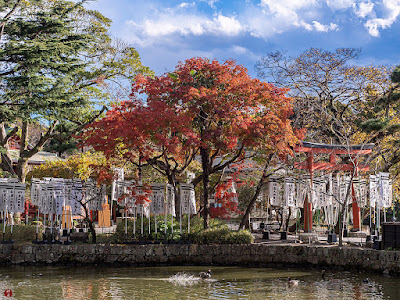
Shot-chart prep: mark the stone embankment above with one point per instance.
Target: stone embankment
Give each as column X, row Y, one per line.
column 245, row 255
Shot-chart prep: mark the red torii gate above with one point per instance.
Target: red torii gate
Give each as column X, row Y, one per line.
column 314, row 148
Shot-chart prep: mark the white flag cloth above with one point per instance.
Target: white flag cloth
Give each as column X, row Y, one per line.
column 360, row 189
column 373, row 191
column 304, row 190
column 19, row 189
column 35, row 188
column 336, row 189
column 170, row 200
column 157, row 205
column 344, row 182
column 143, row 209
column 12, row 196
column 46, row 199
column 319, row 186
column 3, row 196
column 290, row 192
column 76, row 197
column 59, row 199
column 18, row 198
column 188, row 199
column 94, row 195
column 275, row 196
column 9, row 180
column 384, row 189
column 116, row 183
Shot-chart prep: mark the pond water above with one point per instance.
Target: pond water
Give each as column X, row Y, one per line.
column 184, row 283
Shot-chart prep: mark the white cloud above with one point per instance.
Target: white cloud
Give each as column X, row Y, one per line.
column 263, row 19
column 276, row 16
column 183, row 24
column 210, row 2
column 340, row 4
column 288, row 5
column 280, row 16
column 392, row 11
column 185, row 4
column 324, row 28
column 286, row 11
column 239, row 50
column 363, row 9
column 317, row 26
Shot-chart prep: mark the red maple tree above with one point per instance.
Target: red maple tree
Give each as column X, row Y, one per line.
column 205, row 108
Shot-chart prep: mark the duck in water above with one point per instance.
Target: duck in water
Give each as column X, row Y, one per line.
column 293, row 282
column 204, row 275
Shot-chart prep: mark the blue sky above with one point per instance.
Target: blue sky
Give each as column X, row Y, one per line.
column 165, row 31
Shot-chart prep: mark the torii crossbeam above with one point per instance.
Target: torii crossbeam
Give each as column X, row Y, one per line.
column 352, row 151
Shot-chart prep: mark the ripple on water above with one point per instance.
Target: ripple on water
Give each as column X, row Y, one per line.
column 184, row 283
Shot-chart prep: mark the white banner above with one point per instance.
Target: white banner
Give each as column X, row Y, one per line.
column 19, row 198
column 35, row 188
column 319, row 186
column 304, row 190
column 360, row 190
column 384, row 189
column 373, row 191
column 275, row 196
column 3, row 197
column 343, row 185
column 119, row 174
column 76, row 197
column 170, row 200
column 12, row 196
column 157, row 205
column 94, row 195
column 143, row 209
column 188, row 199
column 290, row 192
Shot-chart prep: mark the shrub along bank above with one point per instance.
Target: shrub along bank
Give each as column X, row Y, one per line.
column 167, row 232
column 170, row 231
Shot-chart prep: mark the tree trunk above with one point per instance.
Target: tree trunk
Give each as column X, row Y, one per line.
column 205, row 162
column 288, row 219
column 260, row 184
column 280, row 221
column 22, row 168
column 172, row 181
column 344, row 207
column 6, row 162
column 89, row 222
column 91, row 229
column 245, row 218
column 341, row 231
column 22, row 164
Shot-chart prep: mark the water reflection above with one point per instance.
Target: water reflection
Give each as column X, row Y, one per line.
column 184, row 283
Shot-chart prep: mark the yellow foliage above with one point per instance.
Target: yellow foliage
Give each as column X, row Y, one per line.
column 77, row 166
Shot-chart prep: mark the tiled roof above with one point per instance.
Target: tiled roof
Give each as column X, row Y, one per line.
column 37, row 159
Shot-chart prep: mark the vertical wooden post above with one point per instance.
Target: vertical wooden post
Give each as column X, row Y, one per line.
column 356, row 211
column 355, row 207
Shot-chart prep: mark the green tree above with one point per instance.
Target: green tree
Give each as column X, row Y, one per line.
column 8, row 8
column 54, row 70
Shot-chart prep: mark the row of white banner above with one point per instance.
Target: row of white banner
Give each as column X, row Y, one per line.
column 52, row 195
column 12, row 195
column 162, row 198
column 331, row 191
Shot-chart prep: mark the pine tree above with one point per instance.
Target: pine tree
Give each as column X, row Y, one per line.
column 52, row 61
